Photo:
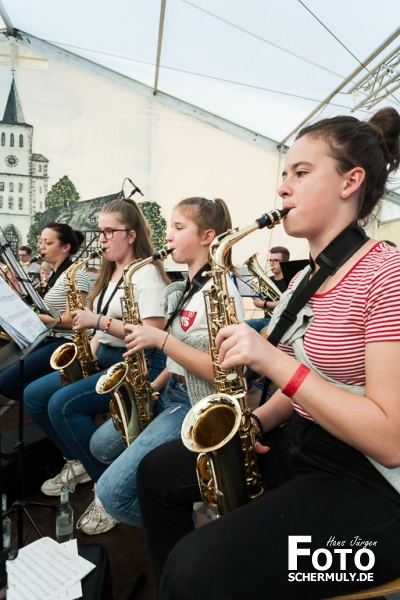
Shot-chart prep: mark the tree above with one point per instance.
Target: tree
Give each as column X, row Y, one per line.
column 62, row 193
column 152, row 212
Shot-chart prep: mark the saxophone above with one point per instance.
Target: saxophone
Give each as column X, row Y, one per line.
column 132, row 403
column 74, row 359
column 219, row 426
column 266, row 288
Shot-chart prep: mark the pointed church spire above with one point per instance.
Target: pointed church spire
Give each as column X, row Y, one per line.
column 13, row 112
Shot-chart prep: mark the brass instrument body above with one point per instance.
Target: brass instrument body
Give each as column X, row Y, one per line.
column 130, row 413
column 132, row 404
column 228, row 472
column 74, row 359
column 266, row 288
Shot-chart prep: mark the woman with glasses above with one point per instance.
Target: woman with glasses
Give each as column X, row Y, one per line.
column 58, row 243
column 66, row 413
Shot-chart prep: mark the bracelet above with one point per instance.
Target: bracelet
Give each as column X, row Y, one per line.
column 98, row 322
column 259, row 425
column 165, row 341
column 295, row 382
column 59, row 321
column 108, row 325
column 265, row 304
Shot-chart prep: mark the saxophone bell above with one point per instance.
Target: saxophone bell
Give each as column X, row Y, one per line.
column 74, row 359
column 211, row 428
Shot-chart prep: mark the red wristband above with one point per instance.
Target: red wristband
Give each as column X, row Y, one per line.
column 293, row 385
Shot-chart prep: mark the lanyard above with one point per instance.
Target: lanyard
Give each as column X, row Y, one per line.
column 56, row 274
column 198, row 281
column 101, row 298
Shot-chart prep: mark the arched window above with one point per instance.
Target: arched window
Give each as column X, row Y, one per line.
column 3, row 139
column 12, row 140
column 21, row 141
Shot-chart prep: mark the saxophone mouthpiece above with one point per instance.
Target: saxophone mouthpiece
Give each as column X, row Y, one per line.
column 161, row 254
column 272, row 218
column 96, row 253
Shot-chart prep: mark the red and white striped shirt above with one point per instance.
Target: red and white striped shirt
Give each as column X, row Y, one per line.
column 364, row 307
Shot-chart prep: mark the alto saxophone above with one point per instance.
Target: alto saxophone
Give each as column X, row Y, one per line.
column 132, row 403
column 219, row 426
column 74, row 359
column 266, row 288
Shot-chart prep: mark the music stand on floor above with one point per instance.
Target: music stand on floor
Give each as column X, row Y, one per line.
column 9, row 355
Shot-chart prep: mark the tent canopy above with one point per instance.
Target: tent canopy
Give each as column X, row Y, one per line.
column 268, row 67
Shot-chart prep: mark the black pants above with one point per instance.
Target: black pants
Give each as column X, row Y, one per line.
column 245, row 554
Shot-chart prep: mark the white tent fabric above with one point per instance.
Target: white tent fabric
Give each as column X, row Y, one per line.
column 254, row 71
column 261, row 64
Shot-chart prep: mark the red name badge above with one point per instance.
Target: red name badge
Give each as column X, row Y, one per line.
column 187, row 319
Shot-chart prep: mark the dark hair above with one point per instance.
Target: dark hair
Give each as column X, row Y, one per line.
column 280, row 250
column 372, row 145
column 128, row 212
column 67, row 235
column 26, row 249
column 208, row 214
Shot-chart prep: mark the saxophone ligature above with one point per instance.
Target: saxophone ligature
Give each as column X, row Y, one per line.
column 264, row 287
column 219, row 427
column 128, row 382
column 74, row 359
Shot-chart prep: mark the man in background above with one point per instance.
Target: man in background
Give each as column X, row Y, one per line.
column 277, row 254
column 31, row 269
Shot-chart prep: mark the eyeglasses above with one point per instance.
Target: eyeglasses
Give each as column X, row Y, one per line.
column 108, row 232
column 273, row 260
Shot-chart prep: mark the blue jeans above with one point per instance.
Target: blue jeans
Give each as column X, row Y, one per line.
column 66, row 414
column 258, row 324
column 116, row 488
column 36, row 364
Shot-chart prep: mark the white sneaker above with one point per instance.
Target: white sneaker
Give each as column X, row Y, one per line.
column 72, row 473
column 95, row 520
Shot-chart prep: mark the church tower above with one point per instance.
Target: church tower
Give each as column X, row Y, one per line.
column 23, row 175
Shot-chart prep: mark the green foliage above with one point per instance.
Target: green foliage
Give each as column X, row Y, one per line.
column 62, row 193
column 39, row 220
column 152, row 212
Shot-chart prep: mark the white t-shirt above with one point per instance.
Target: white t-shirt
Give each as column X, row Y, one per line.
column 148, row 292
column 194, row 319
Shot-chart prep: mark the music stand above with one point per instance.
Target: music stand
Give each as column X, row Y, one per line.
column 9, row 355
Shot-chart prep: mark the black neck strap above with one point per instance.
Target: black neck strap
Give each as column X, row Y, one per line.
column 329, row 261
column 101, row 298
column 193, row 286
column 60, row 270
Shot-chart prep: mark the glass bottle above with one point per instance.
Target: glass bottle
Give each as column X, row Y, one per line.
column 6, row 524
column 64, row 518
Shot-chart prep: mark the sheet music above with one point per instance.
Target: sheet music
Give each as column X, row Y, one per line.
column 45, row 570
column 17, row 319
column 24, row 284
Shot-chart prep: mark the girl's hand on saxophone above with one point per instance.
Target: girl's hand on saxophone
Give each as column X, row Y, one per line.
column 242, row 345
column 142, row 337
column 83, row 319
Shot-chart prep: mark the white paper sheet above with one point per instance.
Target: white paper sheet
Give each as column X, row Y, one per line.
column 45, row 570
column 17, row 319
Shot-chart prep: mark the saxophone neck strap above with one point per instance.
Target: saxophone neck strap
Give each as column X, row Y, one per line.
column 103, row 311
column 329, row 261
column 60, row 270
column 192, row 286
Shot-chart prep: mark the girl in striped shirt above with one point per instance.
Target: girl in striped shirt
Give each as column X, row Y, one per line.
column 329, row 447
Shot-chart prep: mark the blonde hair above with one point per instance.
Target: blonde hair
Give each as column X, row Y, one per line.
column 130, row 215
column 208, row 214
